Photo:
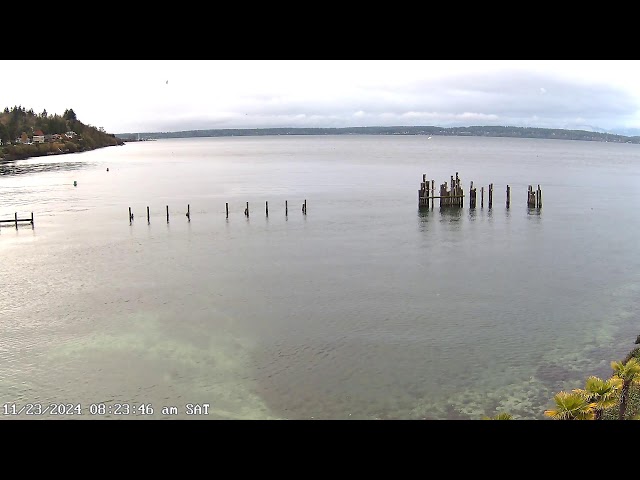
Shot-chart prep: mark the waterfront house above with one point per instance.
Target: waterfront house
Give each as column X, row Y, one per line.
column 38, row 136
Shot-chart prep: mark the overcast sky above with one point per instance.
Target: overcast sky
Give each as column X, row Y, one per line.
column 128, row 96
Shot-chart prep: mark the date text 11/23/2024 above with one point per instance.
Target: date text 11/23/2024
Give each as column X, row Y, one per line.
column 100, row 409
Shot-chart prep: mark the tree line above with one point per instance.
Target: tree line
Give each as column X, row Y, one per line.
column 475, row 131
column 18, row 121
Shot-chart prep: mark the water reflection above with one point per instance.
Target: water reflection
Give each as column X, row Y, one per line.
column 450, row 214
column 533, row 211
column 12, row 169
column 424, row 216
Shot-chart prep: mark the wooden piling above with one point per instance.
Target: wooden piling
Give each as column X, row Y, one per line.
column 167, row 213
column 226, row 206
column 16, row 220
column 286, row 208
column 539, row 197
column 472, row 196
column 433, row 189
column 130, row 215
column 266, row 208
column 490, row 195
column 304, row 207
column 508, row 195
column 148, row 218
column 246, row 210
column 482, row 197
column 188, row 212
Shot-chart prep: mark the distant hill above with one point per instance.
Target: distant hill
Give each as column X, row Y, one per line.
column 25, row 134
column 477, row 131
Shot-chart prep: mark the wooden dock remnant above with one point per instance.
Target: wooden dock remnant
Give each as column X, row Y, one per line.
column 17, row 220
column 451, row 194
column 534, row 198
column 453, row 197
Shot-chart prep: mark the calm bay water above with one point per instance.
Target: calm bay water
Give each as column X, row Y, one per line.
column 365, row 308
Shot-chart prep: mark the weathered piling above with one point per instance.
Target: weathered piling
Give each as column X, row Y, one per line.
column 16, row 220
column 490, row 195
column 130, row 215
column 33, row 224
column 266, row 208
column 148, row 217
column 226, row 206
column 304, row 207
column 534, row 198
column 188, row 212
column 433, row 189
column 423, row 192
column 508, row 196
column 167, row 213
column 539, row 192
column 472, row 196
column 482, row 197
column 286, row 208
column 246, row 210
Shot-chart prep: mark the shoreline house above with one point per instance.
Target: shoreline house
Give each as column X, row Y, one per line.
column 38, row 136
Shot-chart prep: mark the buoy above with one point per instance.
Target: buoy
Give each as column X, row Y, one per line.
column 75, row 184
column 107, row 169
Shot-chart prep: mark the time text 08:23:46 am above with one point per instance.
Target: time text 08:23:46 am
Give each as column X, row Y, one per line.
column 100, row 409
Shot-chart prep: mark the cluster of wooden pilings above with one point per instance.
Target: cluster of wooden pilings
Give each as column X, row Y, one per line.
column 455, row 196
column 188, row 214
column 449, row 196
column 534, row 198
column 17, row 220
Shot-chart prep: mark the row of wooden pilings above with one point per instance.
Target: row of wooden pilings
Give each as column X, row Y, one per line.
column 455, row 195
column 246, row 211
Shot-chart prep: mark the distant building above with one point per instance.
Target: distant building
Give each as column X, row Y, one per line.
column 70, row 134
column 38, row 136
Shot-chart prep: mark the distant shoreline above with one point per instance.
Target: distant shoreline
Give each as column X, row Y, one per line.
column 474, row 131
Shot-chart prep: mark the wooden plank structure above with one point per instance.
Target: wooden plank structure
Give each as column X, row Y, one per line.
column 453, row 197
column 17, row 220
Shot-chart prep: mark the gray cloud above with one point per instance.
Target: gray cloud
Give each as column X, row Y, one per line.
column 492, row 98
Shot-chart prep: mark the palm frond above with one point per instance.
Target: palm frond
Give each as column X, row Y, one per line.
column 571, row 406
